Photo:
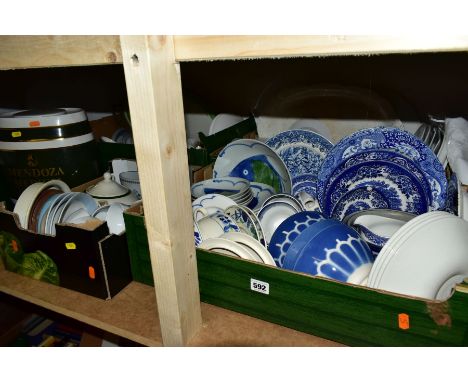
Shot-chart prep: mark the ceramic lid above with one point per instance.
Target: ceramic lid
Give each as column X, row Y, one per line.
column 107, row 188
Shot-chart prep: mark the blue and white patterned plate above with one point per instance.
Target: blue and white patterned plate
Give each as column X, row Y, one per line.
column 359, row 199
column 255, row 161
column 305, row 183
column 371, row 156
column 288, row 230
column 302, row 151
column 394, row 139
column 399, row 187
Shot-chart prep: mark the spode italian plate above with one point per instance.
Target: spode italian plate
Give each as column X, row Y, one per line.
column 386, row 156
column 393, row 139
column 359, row 199
column 400, row 188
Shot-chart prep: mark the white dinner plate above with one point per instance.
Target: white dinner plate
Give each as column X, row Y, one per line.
column 227, row 247
column 251, row 243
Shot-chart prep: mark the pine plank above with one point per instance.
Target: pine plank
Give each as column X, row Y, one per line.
column 155, row 99
column 193, row 48
column 18, row 52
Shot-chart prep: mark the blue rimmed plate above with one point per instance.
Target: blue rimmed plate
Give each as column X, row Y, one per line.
column 255, row 161
column 393, row 139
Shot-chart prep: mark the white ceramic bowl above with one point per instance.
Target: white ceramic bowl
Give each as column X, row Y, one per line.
column 223, row 121
column 426, row 260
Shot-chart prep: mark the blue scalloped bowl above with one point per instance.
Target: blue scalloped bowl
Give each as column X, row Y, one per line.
column 288, row 231
column 330, row 249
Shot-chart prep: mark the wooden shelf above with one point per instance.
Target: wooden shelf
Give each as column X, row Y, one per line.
column 133, row 314
column 48, row 51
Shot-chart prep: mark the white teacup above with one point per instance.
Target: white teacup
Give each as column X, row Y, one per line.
column 215, row 225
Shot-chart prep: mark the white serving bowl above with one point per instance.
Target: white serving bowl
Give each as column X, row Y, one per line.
column 425, row 259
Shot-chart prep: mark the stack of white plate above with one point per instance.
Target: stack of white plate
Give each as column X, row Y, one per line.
column 424, row 258
column 69, row 207
column 240, row 245
column 237, row 189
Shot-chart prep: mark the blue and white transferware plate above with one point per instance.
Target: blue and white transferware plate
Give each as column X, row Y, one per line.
column 400, row 188
column 394, row 139
column 370, row 157
column 359, row 199
column 255, row 161
column 302, row 151
column 288, row 231
column 305, row 183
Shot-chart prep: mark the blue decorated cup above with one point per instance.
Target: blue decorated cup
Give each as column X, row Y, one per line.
column 330, row 249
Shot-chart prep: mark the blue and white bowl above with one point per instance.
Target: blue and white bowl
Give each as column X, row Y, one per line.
column 330, row 249
column 288, row 231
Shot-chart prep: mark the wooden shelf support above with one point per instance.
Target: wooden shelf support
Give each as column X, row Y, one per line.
column 155, row 99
